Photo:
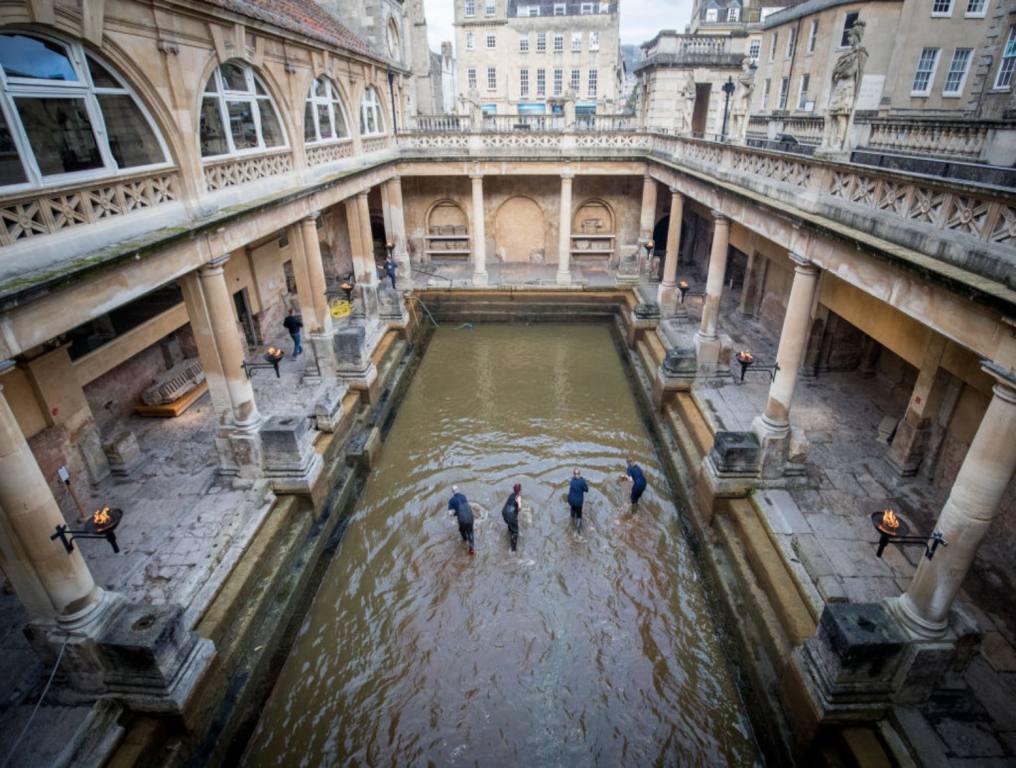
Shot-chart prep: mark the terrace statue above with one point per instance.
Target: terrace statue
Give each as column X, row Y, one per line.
column 846, row 78
column 742, row 105
column 687, row 94
column 470, row 104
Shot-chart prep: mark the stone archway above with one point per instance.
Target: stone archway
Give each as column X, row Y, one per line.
column 519, row 231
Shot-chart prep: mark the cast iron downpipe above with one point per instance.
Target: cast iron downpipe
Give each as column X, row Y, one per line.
column 391, row 92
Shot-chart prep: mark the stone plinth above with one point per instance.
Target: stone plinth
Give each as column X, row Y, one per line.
column 287, row 446
column 392, row 307
column 713, row 355
column 328, row 408
column 676, row 373
column 645, row 317
column 730, row 469
column 123, row 453
column 352, row 357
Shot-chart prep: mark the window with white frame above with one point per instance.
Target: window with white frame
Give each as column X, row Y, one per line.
column 470, row 41
column 594, row 41
column 491, row 78
column 67, row 117
column 576, row 42
column 558, row 82
column 976, row 8
column 773, row 41
column 593, row 76
column 802, row 92
column 784, row 91
column 470, row 9
column 532, row 11
column 324, row 117
column 848, row 23
column 523, row 82
column 235, row 97
column 560, row 9
column 491, row 41
column 558, row 43
column 586, row 8
column 791, row 43
column 576, row 80
column 712, row 14
column 812, row 35
column 471, row 78
column 766, row 87
column 927, row 63
column 733, row 14
column 941, row 7
column 754, row 48
column 957, row 74
column 489, row 7
column 1005, row 69
column 541, row 42
column 371, row 117
column 541, row 82
column 524, row 44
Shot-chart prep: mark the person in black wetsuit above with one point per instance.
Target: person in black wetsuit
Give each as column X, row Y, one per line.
column 577, row 490
column 638, row 483
column 510, row 513
column 459, row 506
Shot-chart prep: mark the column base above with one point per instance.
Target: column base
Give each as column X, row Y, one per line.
column 713, row 353
column 668, row 297
column 784, row 449
column 480, row 279
column 239, row 449
column 564, row 278
column 142, row 655
column 906, row 452
column 675, row 374
column 916, row 626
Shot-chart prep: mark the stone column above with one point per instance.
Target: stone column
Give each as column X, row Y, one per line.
column 366, row 238
column 914, row 430
column 301, row 275
column 355, row 241
column 49, row 581
column 564, row 234
column 666, row 294
column 222, row 322
column 773, row 426
column 479, row 233
column 968, row 512
column 321, row 321
column 647, row 219
column 398, row 217
column 707, row 342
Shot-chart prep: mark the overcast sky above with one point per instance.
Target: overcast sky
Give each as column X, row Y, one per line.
column 640, row 19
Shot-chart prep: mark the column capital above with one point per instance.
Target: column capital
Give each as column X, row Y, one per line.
column 675, row 192
column 312, row 216
column 1006, row 380
column 647, row 178
column 363, row 194
column 802, row 263
column 218, row 261
column 476, row 176
column 719, row 217
column 567, row 175
column 395, row 179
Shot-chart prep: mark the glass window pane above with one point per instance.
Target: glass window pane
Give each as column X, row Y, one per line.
column 323, row 123
column 101, row 78
column 241, row 124
column 341, row 130
column 234, row 77
column 308, row 123
column 11, row 170
column 270, row 127
column 260, row 89
column 211, row 87
column 60, row 134
column 213, row 136
column 131, row 139
column 24, row 56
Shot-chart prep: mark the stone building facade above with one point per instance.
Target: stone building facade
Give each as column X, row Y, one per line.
column 518, row 57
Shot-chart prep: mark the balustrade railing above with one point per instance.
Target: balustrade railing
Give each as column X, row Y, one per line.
column 442, row 123
column 936, row 138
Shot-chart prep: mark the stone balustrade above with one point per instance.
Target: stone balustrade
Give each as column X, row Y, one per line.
column 937, row 138
column 317, row 154
column 692, row 50
column 806, row 129
column 233, row 171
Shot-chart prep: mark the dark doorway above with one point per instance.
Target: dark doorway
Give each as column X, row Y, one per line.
column 701, row 112
column 246, row 318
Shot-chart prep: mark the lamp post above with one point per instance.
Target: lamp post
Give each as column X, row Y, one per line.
column 728, row 90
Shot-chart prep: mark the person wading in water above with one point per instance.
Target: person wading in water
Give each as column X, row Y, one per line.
column 510, row 513
column 638, row 480
column 577, row 490
column 459, row 506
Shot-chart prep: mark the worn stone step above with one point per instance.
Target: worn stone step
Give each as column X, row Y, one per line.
column 698, row 426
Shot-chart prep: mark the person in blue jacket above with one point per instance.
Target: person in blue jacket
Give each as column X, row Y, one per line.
column 638, row 483
column 390, row 267
column 577, row 490
column 459, row 506
column 510, row 515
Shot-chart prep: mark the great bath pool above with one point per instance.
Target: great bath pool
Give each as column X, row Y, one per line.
column 591, row 648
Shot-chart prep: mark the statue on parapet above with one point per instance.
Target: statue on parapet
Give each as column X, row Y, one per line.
column 472, row 106
column 742, row 102
column 687, row 95
column 846, row 79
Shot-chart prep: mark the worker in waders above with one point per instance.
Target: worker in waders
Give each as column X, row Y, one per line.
column 638, row 483
column 510, row 513
column 577, row 490
column 459, row 506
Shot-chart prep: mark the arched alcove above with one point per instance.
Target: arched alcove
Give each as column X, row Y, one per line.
column 447, row 230
column 593, row 229
column 519, row 230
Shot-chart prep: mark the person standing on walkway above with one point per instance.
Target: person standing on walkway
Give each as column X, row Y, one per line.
column 294, row 325
column 390, row 267
column 577, row 490
column 510, row 513
column 638, row 480
column 459, row 506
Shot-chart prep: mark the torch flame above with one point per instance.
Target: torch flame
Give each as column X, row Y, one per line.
column 101, row 517
column 889, row 519
column 683, row 284
column 273, row 351
column 745, row 356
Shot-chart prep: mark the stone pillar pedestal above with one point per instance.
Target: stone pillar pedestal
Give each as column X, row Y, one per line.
column 968, row 513
column 729, row 470
column 354, row 364
column 328, row 408
column 564, row 276
column 667, row 294
column 645, row 317
column 392, row 308
column 479, row 232
column 914, row 431
column 773, row 426
column 290, row 461
column 707, row 340
column 676, row 374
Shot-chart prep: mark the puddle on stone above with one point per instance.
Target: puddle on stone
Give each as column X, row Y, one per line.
column 590, row 648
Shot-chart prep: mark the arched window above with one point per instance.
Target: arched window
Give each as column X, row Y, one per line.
column 371, row 122
column 236, row 97
column 325, row 116
column 394, row 43
column 64, row 117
